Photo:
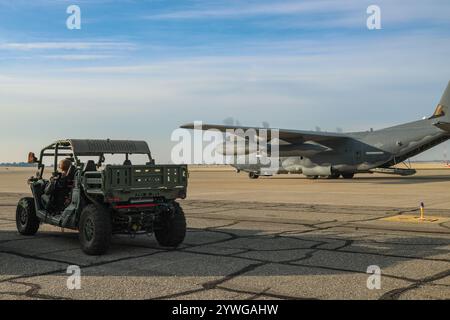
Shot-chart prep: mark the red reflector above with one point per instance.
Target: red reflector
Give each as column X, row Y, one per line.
column 130, row 206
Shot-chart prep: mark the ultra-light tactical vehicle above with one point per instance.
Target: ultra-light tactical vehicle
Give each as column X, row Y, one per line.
column 105, row 199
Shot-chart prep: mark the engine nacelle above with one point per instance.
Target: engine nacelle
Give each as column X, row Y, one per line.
column 306, row 149
column 317, row 171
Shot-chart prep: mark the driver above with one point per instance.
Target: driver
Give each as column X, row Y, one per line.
column 58, row 190
column 67, row 170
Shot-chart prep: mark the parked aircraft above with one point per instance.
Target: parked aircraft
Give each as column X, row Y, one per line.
column 332, row 155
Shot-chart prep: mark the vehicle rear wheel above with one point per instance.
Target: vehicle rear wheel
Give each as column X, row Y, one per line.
column 95, row 230
column 348, row 175
column 26, row 220
column 253, row 175
column 172, row 230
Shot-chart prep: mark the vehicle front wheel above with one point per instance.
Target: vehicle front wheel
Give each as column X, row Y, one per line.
column 95, row 230
column 26, row 220
column 172, row 229
column 348, row 175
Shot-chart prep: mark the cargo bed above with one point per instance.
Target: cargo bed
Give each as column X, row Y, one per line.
column 123, row 182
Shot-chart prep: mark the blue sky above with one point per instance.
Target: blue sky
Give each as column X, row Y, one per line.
column 139, row 69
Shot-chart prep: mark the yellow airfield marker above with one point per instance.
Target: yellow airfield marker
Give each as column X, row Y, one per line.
column 422, row 211
column 416, row 219
column 421, row 218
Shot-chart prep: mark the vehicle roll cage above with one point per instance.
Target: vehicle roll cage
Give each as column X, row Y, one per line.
column 75, row 148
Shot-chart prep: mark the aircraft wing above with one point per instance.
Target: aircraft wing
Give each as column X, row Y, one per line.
column 291, row 136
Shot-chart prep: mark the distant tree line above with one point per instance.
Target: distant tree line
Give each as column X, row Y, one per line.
column 17, row 164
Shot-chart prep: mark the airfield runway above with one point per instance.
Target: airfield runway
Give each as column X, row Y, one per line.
column 273, row 238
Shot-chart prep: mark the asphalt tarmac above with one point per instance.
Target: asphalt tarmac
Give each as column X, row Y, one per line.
column 273, row 238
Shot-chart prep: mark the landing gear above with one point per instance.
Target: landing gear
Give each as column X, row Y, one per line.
column 348, row 175
column 253, row 175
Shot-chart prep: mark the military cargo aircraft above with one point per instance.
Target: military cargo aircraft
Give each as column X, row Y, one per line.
column 332, row 155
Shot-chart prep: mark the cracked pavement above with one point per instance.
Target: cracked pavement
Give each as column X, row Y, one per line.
column 251, row 246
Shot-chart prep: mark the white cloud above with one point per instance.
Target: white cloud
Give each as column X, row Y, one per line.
column 317, row 13
column 237, row 9
column 356, row 84
column 308, row 80
column 77, row 57
column 26, row 46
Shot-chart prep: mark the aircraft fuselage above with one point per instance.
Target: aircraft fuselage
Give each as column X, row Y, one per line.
column 361, row 151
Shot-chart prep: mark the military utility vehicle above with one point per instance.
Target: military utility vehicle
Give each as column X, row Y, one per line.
column 100, row 199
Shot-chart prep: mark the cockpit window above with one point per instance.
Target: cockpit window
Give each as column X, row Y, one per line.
column 439, row 112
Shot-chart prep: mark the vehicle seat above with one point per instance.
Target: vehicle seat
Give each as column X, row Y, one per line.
column 71, row 173
column 90, row 166
column 71, row 177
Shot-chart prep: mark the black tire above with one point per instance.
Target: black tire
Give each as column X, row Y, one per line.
column 95, row 230
column 333, row 176
column 312, row 177
column 348, row 175
column 172, row 230
column 253, row 175
column 26, row 220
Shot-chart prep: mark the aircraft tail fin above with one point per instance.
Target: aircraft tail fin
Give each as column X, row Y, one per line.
column 443, row 108
column 442, row 112
column 445, row 100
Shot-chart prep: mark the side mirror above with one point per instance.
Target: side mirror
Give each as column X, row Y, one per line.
column 32, row 158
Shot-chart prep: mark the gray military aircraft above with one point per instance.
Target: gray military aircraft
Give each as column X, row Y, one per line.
column 331, row 155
